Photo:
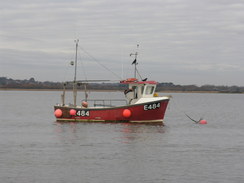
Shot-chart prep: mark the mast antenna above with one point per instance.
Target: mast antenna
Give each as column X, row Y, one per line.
column 135, row 61
column 76, row 48
column 75, row 84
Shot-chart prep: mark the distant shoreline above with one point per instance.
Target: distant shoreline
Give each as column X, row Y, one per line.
column 167, row 87
column 69, row 90
column 23, row 89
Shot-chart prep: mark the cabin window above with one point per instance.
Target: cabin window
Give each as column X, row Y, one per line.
column 142, row 89
column 134, row 88
column 149, row 90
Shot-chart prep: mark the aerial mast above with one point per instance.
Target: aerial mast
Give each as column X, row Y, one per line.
column 76, row 48
column 135, row 61
column 75, row 83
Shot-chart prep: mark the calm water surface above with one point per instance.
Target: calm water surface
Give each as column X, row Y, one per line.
column 34, row 148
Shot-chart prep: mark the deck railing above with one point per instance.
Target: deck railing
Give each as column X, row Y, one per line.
column 107, row 102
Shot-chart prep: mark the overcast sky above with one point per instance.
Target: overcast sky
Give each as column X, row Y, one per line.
column 180, row 41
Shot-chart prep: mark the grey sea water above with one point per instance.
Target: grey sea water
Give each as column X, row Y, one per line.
column 34, row 148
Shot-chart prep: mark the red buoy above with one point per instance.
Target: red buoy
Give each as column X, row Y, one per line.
column 72, row 112
column 203, row 122
column 58, row 113
column 126, row 113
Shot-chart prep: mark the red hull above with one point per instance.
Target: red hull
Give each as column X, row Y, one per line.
column 141, row 113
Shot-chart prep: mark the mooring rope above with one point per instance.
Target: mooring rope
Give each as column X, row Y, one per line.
column 196, row 121
column 193, row 119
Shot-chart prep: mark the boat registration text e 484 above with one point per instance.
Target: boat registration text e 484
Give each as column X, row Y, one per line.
column 151, row 106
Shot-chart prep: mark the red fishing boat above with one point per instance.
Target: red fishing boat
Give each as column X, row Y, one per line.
column 141, row 104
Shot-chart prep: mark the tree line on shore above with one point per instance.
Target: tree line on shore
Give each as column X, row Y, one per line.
column 8, row 83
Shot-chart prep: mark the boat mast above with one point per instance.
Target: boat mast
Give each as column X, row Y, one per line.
column 76, row 48
column 75, row 83
column 135, row 61
column 135, row 64
column 63, row 95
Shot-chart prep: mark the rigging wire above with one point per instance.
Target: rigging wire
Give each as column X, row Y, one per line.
column 138, row 73
column 83, row 67
column 94, row 59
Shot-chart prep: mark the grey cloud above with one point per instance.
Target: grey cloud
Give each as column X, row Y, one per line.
column 181, row 37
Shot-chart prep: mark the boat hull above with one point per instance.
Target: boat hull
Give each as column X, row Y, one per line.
column 150, row 112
